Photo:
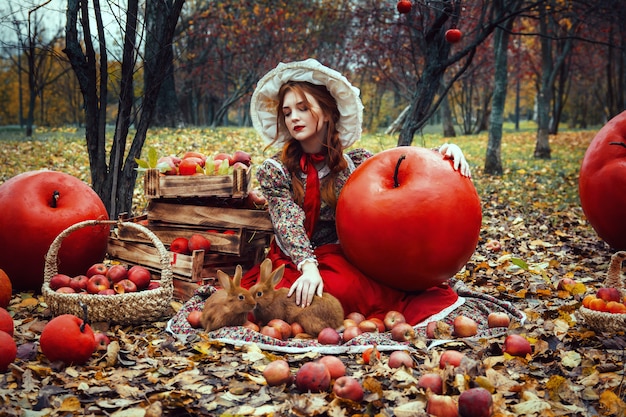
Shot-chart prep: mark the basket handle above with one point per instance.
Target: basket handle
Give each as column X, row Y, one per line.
column 50, row 266
column 613, row 278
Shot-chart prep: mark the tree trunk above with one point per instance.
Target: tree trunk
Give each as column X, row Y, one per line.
column 493, row 159
column 446, row 118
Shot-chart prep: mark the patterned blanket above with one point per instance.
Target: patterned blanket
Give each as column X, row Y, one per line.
column 470, row 303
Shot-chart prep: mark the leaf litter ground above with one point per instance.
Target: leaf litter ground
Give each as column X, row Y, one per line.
column 532, row 210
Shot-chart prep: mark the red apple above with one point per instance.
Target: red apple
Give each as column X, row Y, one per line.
column 313, row 377
column 195, row 155
column 368, row 326
column 116, row 273
column 180, row 245
column 224, row 156
column 283, row 327
column 251, row 325
column 97, row 269
column 356, row 317
column 240, row 165
column 271, row 332
column 153, row 285
column 242, row 157
column 399, row 358
column 42, row 205
column 125, row 286
column 367, row 211
column 108, row 291
column 441, row 406
column 475, row 402
column 98, row 283
column 517, row 345
column 438, row 330
column 498, row 319
column 194, row 318
column 465, row 326
column 392, row 318
column 68, row 339
column 335, row 366
column 329, row 336
column 493, row 245
column 404, row 6
column 255, row 200
column 278, row 373
column 350, row 333
column 379, row 323
column 565, row 284
column 59, row 280
column 609, row 294
column 66, row 290
column 199, row 242
column 450, row 357
column 8, row 351
column 6, row 322
column 348, row 387
column 79, row 283
column 296, row 329
column 431, row 381
column 453, row 35
column 190, row 166
column 403, row 332
column 102, row 340
column 370, row 355
column 140, row 275
column 167, row 165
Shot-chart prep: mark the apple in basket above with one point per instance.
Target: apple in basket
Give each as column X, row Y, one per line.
column 140, row 276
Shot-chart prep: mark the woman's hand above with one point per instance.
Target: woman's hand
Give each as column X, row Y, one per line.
column 451, row 151
column 308, row 285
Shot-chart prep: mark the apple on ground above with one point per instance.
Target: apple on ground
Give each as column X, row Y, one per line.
column 438, row 330
column 97, row 283
column 349, row 388
column 350, row 333
column 79, row 283
column 282, row 326
column 313, row 377
column 517, row 345
column 450, row 357
column 399, row 358
column 498, row 319
column 8, row 351
column 368, row 326
column 402, row 332
column 125, row 286
column 493, row 245
column 565, row 284
column 370, row 355
column 97, row 269
column 68, row 339
column 296, row 328
column 329, row 336
column 356, row 316
column 349, row 323
column 335, row 366
column 7, row 324
column 475, row 402
column 379, row 323
column 278, row 373
column 59, row 280
column 102, row 340
column 116, row 273
column 271, row 332
column 431, row 381
column 465, row 326
column 194, row 319
column 392, row 318
column 251, row 325
column 441, row 406
column 140, row 275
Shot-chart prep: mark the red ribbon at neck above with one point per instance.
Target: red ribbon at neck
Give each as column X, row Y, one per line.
column 312, row 198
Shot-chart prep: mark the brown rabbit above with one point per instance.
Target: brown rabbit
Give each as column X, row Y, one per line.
column 228, row 306
column 271, row 303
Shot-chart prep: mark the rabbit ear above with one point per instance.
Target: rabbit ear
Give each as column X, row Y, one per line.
column 238, row 275
column 224, row 280
column 277, row 275
column 266, row 270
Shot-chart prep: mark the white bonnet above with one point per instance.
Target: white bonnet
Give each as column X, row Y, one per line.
column 265, row 99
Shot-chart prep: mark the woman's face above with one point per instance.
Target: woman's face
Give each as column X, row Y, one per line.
column 305, row 122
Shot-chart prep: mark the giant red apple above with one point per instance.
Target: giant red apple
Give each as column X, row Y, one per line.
column 602, row 181
column 406, row 218
column 36, row 207
column 69, row 339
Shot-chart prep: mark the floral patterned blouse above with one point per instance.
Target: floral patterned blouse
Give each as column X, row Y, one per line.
column 288, row 217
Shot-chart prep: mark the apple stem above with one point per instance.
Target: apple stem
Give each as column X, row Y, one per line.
column 618, row 144
column 85, row 317
column 55, row 198
column 396, row 184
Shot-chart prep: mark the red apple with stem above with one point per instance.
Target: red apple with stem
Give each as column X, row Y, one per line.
column 348, row 387
column 140, row 275
column 400, row 358
column 97, row 269
column 392, row 318
column 403, row 332
column 124, row 286
column 116, row 273
column 79, row 283
column 408, row 249
column 98, row 283
column 453, row 35
column 69, row 339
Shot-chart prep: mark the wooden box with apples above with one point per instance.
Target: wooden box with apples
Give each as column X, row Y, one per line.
column 235, row 185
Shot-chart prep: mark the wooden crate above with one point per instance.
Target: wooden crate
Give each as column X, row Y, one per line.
column 236, row 185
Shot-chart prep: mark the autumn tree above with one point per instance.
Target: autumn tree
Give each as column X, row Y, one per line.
column 114, row 181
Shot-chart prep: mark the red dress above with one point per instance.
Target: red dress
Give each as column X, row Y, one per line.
column 355, row 290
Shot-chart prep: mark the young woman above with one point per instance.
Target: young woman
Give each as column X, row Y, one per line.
column 313, row 114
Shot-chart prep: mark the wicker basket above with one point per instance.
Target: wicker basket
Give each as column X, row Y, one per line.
column 602, row 321
column 128, row 308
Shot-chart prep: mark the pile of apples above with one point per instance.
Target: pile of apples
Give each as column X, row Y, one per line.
column 186, row 246
column 607, row 300
column 103, row 279
column 192, row 163
column 8, row 348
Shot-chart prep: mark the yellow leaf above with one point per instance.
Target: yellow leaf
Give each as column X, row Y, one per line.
column 612, row 404
column 70, row 404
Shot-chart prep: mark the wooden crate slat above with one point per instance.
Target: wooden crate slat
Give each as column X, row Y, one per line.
column 221, row 217
column 236, row 185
